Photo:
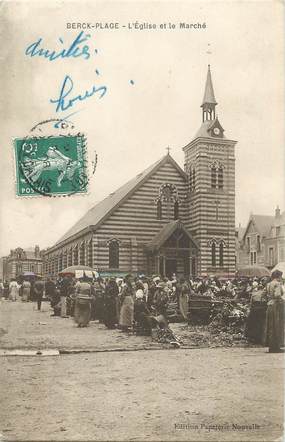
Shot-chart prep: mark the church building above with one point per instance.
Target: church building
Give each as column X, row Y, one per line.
column 165, row 220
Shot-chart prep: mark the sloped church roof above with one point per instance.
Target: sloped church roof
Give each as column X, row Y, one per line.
column 98, row 213
column 205, row 129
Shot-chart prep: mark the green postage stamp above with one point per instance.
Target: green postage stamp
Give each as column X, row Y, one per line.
column 51, row 166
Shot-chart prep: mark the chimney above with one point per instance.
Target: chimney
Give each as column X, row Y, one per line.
column 277, row 212
column 37, row 251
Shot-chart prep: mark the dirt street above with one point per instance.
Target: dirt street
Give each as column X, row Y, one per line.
column 142, row 395
column 22, row 326
column 209, row 394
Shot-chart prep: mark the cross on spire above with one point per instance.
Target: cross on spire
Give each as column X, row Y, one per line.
column 168, row 150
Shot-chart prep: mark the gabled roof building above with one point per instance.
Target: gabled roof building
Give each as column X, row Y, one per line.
column 20, row 261
column 165, row 220
column 263, row 241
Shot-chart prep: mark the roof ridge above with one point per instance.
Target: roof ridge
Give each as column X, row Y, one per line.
column 108, row 204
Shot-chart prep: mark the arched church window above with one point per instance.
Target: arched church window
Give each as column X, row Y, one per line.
column 221, row 254
column 69, row 258
column 213, row 247
column 192, row 179
column 114, row 254
column 90, row 253
column 75, row 255
column 176, row 210
column 258, row 243
column 213, row 177
column 220, row 178
column 60, row 262
column 159, row 209
column 82, row 254
column 217, row 175
column 167, row 193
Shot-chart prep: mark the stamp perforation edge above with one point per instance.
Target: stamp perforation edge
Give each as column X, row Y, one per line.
column 83, row 137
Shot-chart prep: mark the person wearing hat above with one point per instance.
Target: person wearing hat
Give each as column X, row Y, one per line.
column 82, row 311
column 98, row 301
column 110, row 317
column 161, row 299
column 65, row 287
column 26, row 290
column 255, row 321
column 151, row 291
column 39, row 288
column 127, row 305
column 142, row 314
column 13, row 290
column 183, row 298
column 274, row 326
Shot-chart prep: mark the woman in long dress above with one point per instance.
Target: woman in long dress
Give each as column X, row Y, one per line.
column 82, row 309
column 127, row 305
column 274, row 327
column 13, row 290
column 26, row 289
column 255, row 322
column 98, row 303
column 142, row 316
column 184, row 298
column 110, row 304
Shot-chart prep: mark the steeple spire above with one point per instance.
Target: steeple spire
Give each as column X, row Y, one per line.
column 209, row 101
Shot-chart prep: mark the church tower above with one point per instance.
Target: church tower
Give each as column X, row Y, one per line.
column 210, row 167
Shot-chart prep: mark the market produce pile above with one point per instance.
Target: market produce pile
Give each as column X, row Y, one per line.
column 166, row 336
column 225, row 329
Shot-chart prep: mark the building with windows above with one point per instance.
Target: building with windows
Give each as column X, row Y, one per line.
column 165, row 220
column 20, row 261
column 275, row 241
column 263, row 241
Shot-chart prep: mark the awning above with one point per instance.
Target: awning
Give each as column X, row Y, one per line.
column 88, row 273
column 115, row 274
column 79, row 271
column 252, row 271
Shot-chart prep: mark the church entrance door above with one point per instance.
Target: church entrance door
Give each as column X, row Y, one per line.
column 172, row 251
column 170, row 267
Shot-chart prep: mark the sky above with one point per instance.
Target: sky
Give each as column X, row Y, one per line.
column 155, row 81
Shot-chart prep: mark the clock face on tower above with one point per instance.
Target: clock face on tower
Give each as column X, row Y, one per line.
column 216, row 131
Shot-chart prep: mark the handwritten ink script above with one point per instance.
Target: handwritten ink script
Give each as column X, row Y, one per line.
column 75, row 49
column 64, row 102
column 68, row 95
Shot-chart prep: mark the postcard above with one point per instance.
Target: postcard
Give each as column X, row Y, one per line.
column 142, row 220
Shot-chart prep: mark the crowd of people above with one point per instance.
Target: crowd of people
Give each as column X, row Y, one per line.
column 141, row 303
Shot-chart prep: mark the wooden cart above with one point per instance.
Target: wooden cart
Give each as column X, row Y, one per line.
column 201, row 307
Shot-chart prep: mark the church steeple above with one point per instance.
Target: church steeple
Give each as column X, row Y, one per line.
column 209, row 101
